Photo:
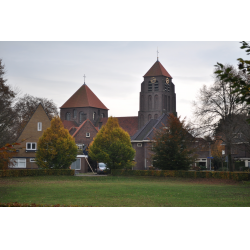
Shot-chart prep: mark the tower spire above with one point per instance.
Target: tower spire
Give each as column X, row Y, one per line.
column 157, row 54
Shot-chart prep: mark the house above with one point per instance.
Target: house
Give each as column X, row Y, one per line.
column 34, row 129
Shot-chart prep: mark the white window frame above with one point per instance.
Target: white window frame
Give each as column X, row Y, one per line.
column 79, row 146
column 139, row 145
column 31, row 145
column 39, row 126
column 87, row 134
column 18, row 161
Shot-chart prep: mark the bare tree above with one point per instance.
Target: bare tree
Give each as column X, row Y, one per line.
column 217, row 110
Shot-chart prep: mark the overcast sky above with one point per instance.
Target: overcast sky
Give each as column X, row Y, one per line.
column 114, row 70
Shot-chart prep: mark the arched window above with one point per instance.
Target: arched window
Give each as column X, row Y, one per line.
column 149, row 117
column 68, row 116
column 156, row 102
column 156, row 116
column 165, row 102
column 142, row 103
column 102, row 115
column 82, row 117
column 168, row 103
column 142, row 120
column 74, row 114
column 94, row 116
column 149, row 102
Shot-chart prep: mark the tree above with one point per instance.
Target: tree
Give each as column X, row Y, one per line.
column 112, row 146
column 7, row 113
column 6, row 153
column 239, row 82
column 25, row 107
column 217, row 112
column 56, row 147
column 173, row 145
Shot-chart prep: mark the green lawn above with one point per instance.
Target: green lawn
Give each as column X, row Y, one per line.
column 114, row 191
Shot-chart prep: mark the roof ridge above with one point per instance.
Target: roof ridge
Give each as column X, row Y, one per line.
column 159, row 119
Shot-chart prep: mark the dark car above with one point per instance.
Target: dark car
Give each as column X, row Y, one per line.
column 101, row 168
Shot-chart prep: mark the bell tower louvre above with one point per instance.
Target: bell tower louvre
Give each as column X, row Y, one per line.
column 157, row 94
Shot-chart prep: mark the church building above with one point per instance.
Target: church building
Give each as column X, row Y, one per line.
column 83, row 113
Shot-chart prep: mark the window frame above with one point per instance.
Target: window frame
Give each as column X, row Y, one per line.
column 74, row 162
column 39, row 128
column 87, row 134
column 31, row 145
column 17, row 161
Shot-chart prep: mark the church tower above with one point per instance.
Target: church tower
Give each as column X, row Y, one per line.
column 157, row 94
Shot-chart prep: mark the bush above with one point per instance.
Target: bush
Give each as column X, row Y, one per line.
column 35, row 172
column 238, row 176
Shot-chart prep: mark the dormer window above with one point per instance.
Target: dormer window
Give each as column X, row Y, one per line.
column 39, row 126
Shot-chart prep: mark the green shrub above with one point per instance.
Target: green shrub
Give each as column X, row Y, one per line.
column 35, row 172
column 238, row 176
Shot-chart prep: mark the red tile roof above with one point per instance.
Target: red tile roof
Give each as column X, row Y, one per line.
column 84, row 97
column 129, row 124
column 157, row 70
column 69, row 124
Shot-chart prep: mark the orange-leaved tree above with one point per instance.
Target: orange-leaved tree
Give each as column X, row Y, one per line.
column 173, row 145
column 112, row 146
column 6, row 153
column 56, row 147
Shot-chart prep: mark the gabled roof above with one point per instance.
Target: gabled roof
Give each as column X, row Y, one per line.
column 82, row 125
column 157, row 70
column 68, row 124
column 38, row 106
column 129, row 123
column 146, row 132
column 84, row 97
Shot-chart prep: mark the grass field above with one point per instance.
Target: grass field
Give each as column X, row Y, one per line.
column 114, row 191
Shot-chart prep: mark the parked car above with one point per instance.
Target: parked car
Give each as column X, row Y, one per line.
column 101, row 168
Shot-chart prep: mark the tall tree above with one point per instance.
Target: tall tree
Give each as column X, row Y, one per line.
column 56, row 147
column 7, row 113
column 239, row 82
column 112, row 146
column 173, row 145
column 217, row 110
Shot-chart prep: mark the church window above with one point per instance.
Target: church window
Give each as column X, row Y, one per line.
column 150, row 87
column 165, row 102
column 156, row 102
column 156, row 86
column 149, row 117
column 156, row 116
column 68, row 116
column 94, row 116
column 74, row 112
column 142, row 120
column 99, row 112
column 142, row 102
column 168, row 103
column 39, row 126
column 82, row 117
column 149, row 102
column 102, row 115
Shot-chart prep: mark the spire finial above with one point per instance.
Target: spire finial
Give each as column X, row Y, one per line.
column 84, row 78
column 157, row 54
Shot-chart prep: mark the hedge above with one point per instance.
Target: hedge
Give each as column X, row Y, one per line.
column 238, row 176
column 35, row 172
